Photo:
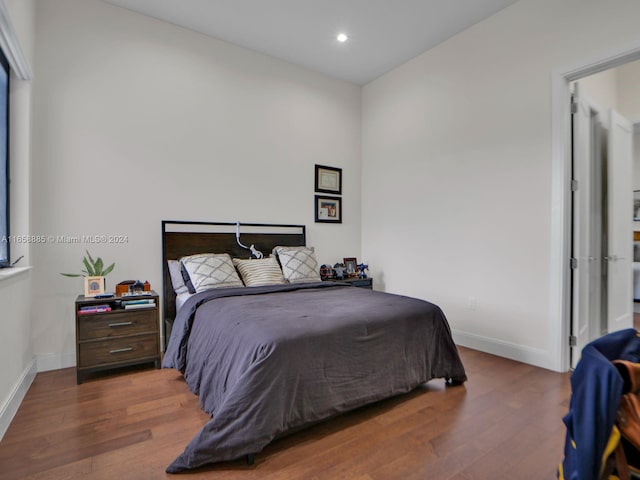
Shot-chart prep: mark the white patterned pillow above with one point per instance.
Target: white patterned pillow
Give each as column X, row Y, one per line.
column 265, row 271
column 211, row 270
column 299, row 264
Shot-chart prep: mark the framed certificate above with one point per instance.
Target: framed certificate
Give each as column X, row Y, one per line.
column 328, row 180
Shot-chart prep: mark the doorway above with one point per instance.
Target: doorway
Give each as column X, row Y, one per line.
column 602, row 211
column 561, row 284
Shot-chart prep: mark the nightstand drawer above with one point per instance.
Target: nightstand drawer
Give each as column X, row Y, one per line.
column 355, row 281
column 118, row 350
column 116, row 324
column 362, row 283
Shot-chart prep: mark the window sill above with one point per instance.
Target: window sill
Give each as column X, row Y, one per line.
column 9, row 272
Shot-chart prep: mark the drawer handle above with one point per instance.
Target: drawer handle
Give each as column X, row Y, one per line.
column 120, row 324
column 120, row 350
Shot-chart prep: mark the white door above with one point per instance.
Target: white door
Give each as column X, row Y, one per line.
column 582, row 257
column 620, row 224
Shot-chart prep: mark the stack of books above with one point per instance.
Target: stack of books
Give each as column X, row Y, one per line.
column 139, row 303
column 94, row 309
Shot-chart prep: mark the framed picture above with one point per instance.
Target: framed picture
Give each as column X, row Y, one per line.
column 328, row 180
column 351, row 266
column 93, row 286
column 328, row 209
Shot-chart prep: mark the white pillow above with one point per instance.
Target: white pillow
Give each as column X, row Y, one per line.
column 175, row 272
column 299, row 264
column 211, row 270
column 265, row 271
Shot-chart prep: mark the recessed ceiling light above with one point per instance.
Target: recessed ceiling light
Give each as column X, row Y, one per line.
column 342, row 37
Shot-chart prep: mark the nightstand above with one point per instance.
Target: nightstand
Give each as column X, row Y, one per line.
column 356, row 282
column 116, row 332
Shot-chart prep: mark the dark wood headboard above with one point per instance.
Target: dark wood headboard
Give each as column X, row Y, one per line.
column 181, row 238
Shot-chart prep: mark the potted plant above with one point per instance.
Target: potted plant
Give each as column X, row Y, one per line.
column 94, row 274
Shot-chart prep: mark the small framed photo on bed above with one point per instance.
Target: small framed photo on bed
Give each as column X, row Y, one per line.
column 328, row 180
column 351, row 266
column 328, row 209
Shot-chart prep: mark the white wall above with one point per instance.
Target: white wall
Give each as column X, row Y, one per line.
column 16, row 354
column 137, row 121
column 628, row 87
column 15, row 345
column 602, row 88
column 457, row 172
column 629, row 97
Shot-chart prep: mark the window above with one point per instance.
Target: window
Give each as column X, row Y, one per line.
column 4, row 161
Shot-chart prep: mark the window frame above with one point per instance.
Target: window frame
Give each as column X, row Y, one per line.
column 6, row 244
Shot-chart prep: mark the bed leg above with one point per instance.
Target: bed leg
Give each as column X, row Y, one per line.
column 251, row 459
column 450, row 382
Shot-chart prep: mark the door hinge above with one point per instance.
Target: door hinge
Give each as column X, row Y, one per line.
column 573, row 341
column 574, row 105
column 573, row 262
column 574, row 185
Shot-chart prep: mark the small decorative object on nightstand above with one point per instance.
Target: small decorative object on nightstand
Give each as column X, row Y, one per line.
column 94, row 272
column 116, row 332
column 339, row 270
column 351, row 264
column 362, row 268
column 326, row 272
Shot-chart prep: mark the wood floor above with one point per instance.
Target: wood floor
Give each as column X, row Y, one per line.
column 505, row 422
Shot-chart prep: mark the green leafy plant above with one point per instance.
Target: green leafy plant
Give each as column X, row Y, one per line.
column 93, row 268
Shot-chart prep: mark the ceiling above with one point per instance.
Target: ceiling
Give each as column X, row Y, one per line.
column 382, row 33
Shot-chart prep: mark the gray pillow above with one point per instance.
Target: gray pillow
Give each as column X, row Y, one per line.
column 186, row 279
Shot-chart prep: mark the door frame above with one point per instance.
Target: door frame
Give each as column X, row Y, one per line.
column 560, row 252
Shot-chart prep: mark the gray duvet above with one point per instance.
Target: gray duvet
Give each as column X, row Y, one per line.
column 265, row 361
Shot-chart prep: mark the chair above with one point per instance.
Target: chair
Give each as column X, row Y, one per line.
column 596, row 390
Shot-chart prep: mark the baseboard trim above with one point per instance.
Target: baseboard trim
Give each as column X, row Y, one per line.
column 520, row 353
column 55, row 361
column 10, row 407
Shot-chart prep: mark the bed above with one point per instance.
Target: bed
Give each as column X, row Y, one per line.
column 269, row 359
